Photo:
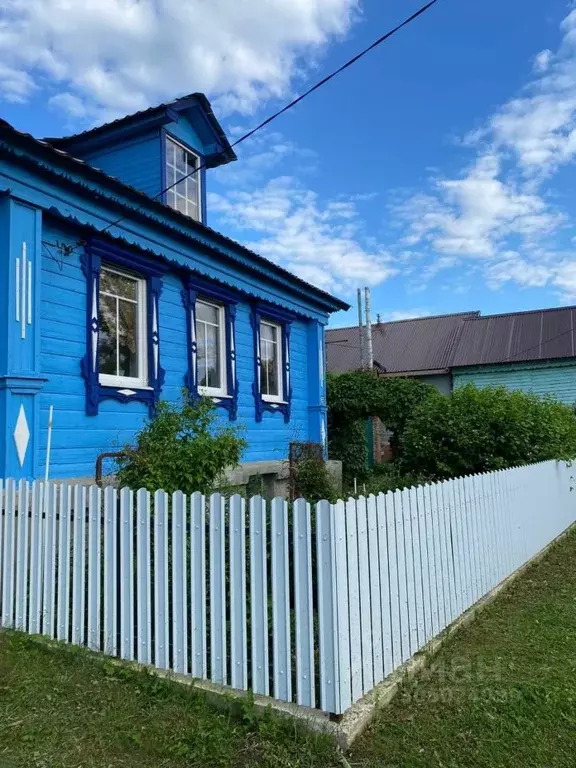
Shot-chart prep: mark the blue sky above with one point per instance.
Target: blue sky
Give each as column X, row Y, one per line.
column 439, row 170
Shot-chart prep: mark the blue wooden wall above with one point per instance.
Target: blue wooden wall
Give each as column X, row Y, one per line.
column 557, row 378
column 138, row 162
column 78, row 439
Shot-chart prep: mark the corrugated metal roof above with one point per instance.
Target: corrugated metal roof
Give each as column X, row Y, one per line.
column 542, row 334
column 435, row 344
column 405, row 346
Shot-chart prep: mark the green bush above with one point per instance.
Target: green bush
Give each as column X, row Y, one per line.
column 181, row 449
column 477, row 430
column 313, row 481
column 389, row 477
column 347, row 443
column 359, row 394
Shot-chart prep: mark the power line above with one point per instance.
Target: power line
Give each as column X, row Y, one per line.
column 288, row 106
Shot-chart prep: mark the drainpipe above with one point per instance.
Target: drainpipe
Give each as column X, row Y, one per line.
column 361, row 331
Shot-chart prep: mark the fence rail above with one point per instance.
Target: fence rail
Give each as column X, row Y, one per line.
column 313, row 605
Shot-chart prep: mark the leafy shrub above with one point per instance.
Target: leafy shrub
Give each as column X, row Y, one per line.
column 181, row 449
column 360, row 394
column 389, row 477
column 477, row 430
column 313, row 481
column 347, row 443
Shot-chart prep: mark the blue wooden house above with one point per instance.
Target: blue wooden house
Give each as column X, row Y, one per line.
column 115, row 294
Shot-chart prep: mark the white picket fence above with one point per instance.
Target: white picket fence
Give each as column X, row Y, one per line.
column 313, row 606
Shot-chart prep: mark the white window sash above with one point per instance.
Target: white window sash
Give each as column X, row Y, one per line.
column 192, row 183
column 278, row 344
column 140, row 381
column 222, row 390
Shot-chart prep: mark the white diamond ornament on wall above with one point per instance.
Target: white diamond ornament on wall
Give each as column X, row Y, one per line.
column 21, row 435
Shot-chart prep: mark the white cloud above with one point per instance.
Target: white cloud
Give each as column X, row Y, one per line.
column 542, row 60
column 119, row 56
column 472, row 215
column 322, row 243
column 501, row 210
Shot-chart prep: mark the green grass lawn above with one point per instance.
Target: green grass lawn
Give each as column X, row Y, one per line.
column 502, row 692
column 66, row 708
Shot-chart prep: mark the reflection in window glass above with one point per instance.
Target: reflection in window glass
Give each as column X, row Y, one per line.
column 118, row 316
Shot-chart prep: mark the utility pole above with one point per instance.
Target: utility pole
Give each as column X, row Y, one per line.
column 361, row 331
column 369, row 350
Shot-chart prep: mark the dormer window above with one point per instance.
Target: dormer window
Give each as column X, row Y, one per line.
column 184, row 196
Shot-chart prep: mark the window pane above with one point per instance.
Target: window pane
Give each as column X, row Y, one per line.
column 128, row 339
column 208, row 355
column 181, row 203
column 269, row 352
column 107, row 335
column 181, row 164
column 170, row 176
column 207, row 312
column 119, row 285
column 268, row 332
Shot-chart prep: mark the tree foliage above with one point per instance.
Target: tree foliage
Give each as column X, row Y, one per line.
column 356, row 395
column 181, row 448
column 478, row 430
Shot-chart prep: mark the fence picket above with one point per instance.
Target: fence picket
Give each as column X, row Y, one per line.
column 404, row 594
column 94, row 541
column 110, row 571
column 63, row 615
column 433, row 548
column 127, row 574
column 344, row 694
column 391, row 597
column 377, row 561
column 238, row 629
column 49, row 510
column 179, row 584
column 217, row 591
column 36, row 570
column 8, row 555
column 198, row 648
column 22, row 557
column 365, row 607
column 281, row 663
column 354, row 599
column 424, row 563
column 259, row 596
column 161, row 631
column 78, row 563
column 303, row 605
column 143, row 580
column 327, row 609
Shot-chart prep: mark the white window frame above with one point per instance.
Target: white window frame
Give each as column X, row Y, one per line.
column 221, row 391
column 279, row 398
column 198, row 175
column 141, row 381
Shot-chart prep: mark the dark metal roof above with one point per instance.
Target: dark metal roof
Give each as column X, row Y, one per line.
column 227, row 154
column 422, row 345
column 542, row 334
column 11, row 135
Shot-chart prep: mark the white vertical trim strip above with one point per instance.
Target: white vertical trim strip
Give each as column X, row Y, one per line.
column 23, row 295
column 17, row 301
column 29, row 293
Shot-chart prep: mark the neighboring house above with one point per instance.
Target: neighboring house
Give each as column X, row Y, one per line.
column 533, row 351
column 115, row 295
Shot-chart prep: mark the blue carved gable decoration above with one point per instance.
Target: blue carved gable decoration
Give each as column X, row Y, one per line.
column 263, row 311
column 195, row 287
column 97, row 251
